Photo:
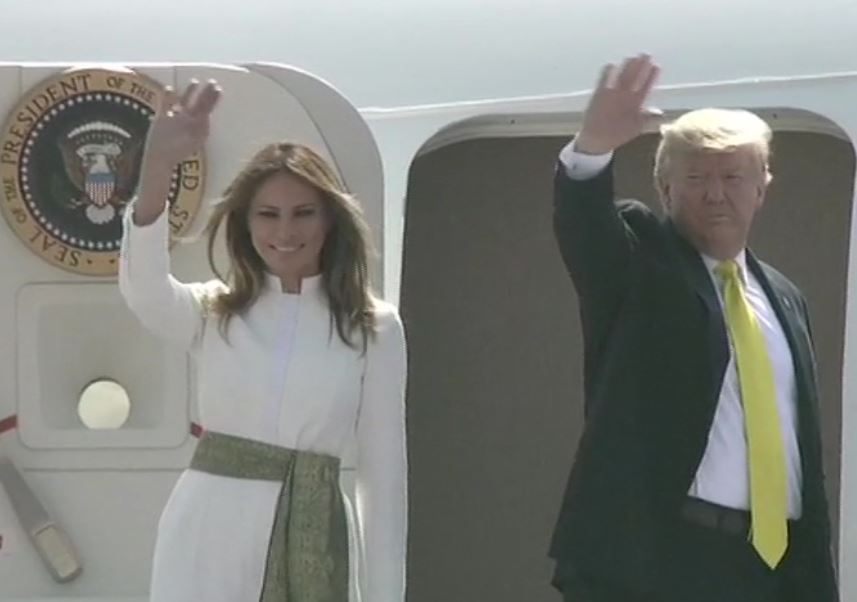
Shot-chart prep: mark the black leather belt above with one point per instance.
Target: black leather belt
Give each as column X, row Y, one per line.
column 705, row 514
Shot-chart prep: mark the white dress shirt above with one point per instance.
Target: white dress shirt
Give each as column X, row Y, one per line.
column 723, row 474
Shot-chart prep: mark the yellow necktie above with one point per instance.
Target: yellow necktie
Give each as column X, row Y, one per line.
column 767, row 463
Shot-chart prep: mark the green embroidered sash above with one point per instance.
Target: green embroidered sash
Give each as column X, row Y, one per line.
column 308, row 551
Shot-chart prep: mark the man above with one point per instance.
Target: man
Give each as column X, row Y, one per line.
column 698, row 477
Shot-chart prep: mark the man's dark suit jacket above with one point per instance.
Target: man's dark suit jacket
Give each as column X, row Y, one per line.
column 655, row 354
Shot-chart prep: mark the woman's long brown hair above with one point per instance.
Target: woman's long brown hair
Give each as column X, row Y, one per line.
column 344, row 255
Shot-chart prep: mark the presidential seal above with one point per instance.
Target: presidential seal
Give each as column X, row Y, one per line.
column 70, row 160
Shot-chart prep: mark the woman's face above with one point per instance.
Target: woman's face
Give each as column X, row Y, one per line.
column 288, row 226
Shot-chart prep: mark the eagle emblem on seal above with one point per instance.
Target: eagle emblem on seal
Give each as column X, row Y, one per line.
column 100, row 159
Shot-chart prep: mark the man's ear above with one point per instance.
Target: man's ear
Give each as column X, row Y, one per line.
column 762, row 188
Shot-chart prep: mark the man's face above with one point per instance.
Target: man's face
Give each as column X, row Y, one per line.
column 712, row 197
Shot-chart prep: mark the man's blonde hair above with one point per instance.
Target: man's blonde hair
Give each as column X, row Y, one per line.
column 711, row 130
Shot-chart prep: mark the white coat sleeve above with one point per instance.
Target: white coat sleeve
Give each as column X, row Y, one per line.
column 381, row 478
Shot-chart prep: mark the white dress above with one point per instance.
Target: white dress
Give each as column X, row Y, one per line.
column 284, row 378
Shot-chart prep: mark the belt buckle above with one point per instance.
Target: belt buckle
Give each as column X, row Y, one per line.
column 697, row 512
column 734, row 522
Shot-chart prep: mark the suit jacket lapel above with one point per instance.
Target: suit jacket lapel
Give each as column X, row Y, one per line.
column 696, row 274
column 789, row 314
column 694, row 269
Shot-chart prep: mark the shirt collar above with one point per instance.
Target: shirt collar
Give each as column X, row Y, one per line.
column 309, row 285
column 740, row 259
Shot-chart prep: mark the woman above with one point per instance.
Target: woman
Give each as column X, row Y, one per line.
column 294, row 358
